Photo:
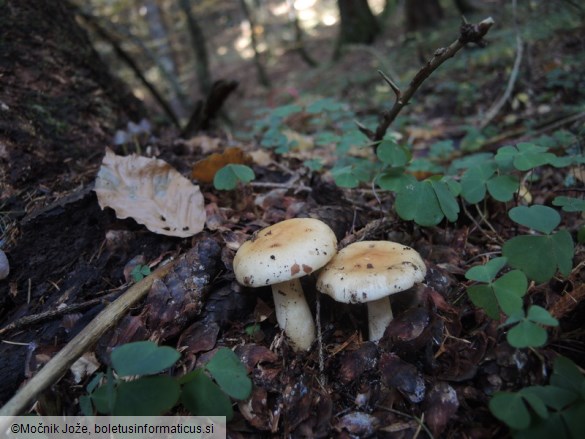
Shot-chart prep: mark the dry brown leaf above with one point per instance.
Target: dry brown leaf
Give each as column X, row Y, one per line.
column 261, row 157
column 85, row 366
column 204, row 170
column 152, row 192
column 205, row 144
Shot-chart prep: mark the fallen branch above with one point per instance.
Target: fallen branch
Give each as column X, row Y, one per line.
column 59, row 364
column 469, row 33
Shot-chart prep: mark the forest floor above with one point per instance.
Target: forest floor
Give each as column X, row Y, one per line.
column 441, row 359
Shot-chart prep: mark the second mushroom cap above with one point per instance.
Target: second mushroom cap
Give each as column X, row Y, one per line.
column 369, row 270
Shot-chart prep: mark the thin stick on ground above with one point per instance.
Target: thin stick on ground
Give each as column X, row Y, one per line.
column 54, row 313
column 81, row 343
column 469, row 33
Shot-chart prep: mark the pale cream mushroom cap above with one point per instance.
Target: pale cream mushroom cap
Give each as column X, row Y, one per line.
column 278, row 256
column 370, row 270
column 286, row 250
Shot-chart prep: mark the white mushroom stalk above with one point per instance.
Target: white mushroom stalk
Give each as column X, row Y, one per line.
column 369, row 272
column 379, row 317
column 293, row 313
column 278, row 256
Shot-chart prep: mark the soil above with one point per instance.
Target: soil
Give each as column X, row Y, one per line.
column 441, row 359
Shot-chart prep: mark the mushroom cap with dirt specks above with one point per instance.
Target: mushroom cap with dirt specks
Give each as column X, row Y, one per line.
column 370, row 270
column 286, row 250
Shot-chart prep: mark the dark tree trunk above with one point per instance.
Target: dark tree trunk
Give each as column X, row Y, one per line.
column 164, row 52
column 358, row 24
column 422, row 13
column 260, row 70
column 299, row 44
column 198, row 41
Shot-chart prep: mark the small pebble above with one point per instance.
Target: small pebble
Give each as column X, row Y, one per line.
column 4, row 266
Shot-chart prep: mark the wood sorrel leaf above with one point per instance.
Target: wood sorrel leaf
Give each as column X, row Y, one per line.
column 229, row 372
column 142, row 358
column 540, row 218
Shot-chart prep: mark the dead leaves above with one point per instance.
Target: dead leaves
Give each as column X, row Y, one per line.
column 204, row 170
column 152, row 192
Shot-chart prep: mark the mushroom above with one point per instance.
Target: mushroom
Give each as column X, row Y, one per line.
column 278, row 256
column 370, row 271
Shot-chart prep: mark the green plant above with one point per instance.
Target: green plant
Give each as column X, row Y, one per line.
column 539, row 256
column 556, row 410
column 325, row 119
column 492, row 295
column 427, row 202
column 528, row 331
column 505, row 294
column 206, row 391
column 140, row 272
column 228, row 177
column 569, row 204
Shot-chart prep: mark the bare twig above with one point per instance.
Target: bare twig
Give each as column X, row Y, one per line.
column 499, row 104
column 519, row 134
column 80, row 343
column 391, row 83
column 52, row 314
column 372, row 228
column 365, row 130
column 469, row 33
column 320, row 340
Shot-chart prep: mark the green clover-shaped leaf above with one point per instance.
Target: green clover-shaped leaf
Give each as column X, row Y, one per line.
column 228, row 177
column 524, row 156
column 149, row 396
column 473, row 182
column 230, row 374
column 570, row 204
column 487, row 272
column 446, row 198
column 539, row 257
column 540, row 218
column 502, row 187
column 202, row 397
column 509, row 408
column 528, row 332
column 142, row 358
column 505, row 293
column 391, row 153
column 418, row 201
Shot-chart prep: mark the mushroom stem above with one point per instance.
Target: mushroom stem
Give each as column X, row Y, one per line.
column 379, row 317
column 293, row 313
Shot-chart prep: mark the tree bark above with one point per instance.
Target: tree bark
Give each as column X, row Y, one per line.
column 422, row 13
column 358, row 24
column 260, row 70
column 164, row 53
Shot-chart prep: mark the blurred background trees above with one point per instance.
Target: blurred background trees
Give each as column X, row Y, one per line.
column 171, row 51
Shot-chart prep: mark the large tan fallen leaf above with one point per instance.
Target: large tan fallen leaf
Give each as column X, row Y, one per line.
column 152, row 192
column 204, row 170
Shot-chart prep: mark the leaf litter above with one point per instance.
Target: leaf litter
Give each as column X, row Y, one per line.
column 151, row 192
